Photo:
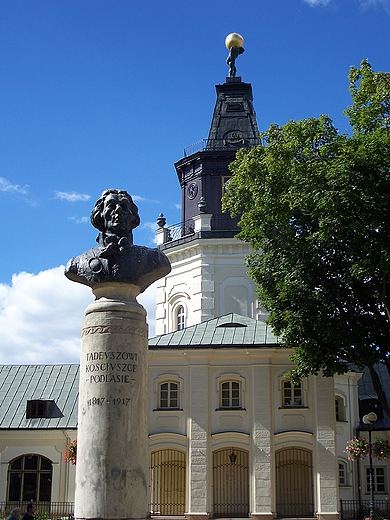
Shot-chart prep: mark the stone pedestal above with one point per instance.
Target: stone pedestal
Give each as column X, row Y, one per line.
column 112, row 453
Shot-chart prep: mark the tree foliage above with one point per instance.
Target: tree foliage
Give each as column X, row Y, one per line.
column 315, row 205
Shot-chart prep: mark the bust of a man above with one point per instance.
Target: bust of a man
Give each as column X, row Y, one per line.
column 116, row 259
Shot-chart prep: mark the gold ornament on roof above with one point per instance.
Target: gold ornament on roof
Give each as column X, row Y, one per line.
column 234, row 40
column 235, row 43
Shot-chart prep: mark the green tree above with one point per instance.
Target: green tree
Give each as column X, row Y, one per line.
column 315, row 205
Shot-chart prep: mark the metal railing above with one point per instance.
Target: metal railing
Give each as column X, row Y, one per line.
column 360, row 509
column 349, row 509
column 55, row 510
column 180, row 230
column 220, row 145
column 218, row 222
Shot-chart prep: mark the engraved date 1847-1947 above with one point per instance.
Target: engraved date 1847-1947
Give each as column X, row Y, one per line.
column 115, row 401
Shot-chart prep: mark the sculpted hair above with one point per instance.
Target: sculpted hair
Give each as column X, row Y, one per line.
column 97, row 212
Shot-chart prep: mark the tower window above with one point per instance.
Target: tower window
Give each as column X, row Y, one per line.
column 180, row 318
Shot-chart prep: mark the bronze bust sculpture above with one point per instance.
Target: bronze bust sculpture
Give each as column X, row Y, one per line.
column 116, row 259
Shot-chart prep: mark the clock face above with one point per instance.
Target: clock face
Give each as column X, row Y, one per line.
column 192, row 190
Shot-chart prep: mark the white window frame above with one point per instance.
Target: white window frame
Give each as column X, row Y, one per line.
column 230, row 378
column 172, row 391
column 343, row 473
column 179, row 299
column 340, row 408
column 230, row 392
column 294, row 395
column 167, row 378
column 378, row 480
column 180, row 314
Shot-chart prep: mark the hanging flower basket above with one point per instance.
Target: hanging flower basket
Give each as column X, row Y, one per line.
column 381, row 449
column 357, row 449
column 71, row 452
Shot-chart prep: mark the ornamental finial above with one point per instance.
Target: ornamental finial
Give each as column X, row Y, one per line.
column 235, row 44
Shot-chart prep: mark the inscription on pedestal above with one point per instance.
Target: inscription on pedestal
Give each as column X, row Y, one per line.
column 109, row 370
column 106, row 367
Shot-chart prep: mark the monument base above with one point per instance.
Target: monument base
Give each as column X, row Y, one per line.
column 112, row 470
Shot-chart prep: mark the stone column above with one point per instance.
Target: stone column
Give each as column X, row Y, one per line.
column 112, row 453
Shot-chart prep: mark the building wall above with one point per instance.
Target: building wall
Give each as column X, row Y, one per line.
column 50, row 444
column 209, row 279
column 262, row 426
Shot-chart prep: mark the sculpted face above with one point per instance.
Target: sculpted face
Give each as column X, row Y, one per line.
column 117, row 215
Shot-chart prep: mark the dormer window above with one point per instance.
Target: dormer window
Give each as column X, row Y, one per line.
column 37, row 408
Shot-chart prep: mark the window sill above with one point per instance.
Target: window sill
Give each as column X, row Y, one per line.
column 297, row 407
column 167, row 409
column 231, row 409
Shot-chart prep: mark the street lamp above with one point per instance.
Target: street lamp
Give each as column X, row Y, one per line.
column 368, row 420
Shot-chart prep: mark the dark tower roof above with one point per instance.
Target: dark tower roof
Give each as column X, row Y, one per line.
column 234, row 122
column 203, row 171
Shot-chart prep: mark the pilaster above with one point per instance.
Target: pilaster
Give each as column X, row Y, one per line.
column 198, row 455
column 262, row 452
column 327, row 474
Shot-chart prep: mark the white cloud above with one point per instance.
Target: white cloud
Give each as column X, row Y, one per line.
column 314, row 3
column 137, row 198
column 6, row 185
column 71, row 196
column 41, row 317
column 366, row 4
column 150, row 228
column 79, row 220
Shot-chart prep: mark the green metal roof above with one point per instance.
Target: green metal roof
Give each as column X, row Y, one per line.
column 56, row 383
column 231, row 330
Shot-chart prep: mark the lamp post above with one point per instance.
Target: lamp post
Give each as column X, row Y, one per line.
column 368, row 420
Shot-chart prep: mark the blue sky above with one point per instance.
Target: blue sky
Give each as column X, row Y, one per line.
column 99, row 94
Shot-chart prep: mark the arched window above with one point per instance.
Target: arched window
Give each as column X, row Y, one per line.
column 339, row 408
column 30, row 478
column 169, row 395
column 342, row 473
column 292, row 394
column 180, row 318
column 230, row 394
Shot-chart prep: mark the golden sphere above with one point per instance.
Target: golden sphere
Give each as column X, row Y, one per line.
column 234, row 40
